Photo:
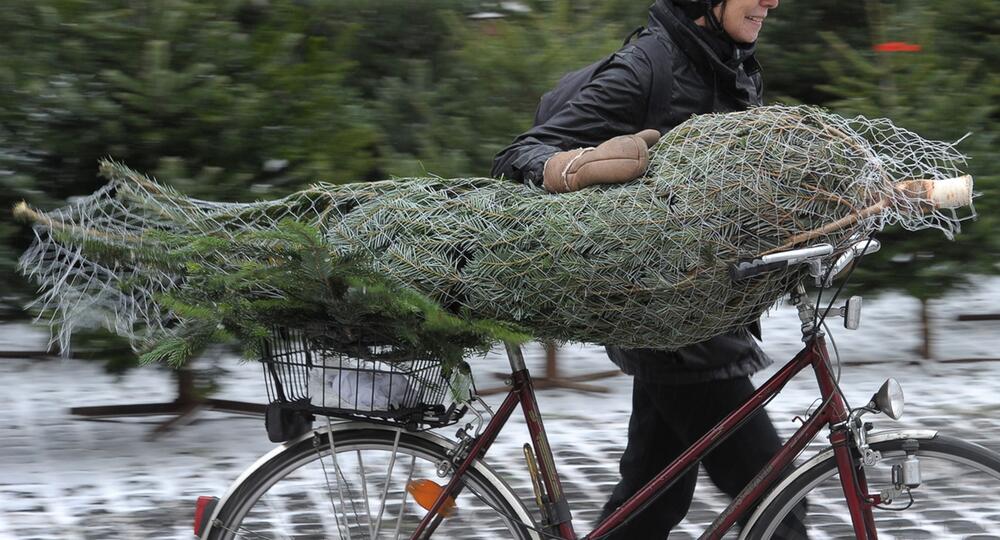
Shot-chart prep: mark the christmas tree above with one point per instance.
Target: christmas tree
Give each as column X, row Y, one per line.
column 430, row 268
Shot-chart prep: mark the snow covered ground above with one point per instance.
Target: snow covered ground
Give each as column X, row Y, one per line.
column 68, row 479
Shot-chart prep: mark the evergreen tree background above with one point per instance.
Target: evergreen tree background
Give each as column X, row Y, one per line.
column 941, row 95
column 792, row 52
column 225, row 104
column 249, row 99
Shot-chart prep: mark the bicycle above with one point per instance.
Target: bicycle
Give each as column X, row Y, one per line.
column 317, row 484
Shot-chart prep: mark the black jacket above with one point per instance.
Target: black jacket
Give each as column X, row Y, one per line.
column 707, row 73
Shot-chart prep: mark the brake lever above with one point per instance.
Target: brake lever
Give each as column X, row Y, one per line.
column 859, row 249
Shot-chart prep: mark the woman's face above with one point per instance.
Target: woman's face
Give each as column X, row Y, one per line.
column 743, row 19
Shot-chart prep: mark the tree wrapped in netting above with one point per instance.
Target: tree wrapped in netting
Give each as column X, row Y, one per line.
column 434, row 267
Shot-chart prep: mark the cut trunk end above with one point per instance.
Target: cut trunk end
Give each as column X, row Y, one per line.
column 946, row 193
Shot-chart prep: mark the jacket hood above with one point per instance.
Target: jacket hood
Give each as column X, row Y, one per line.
column 701, row 44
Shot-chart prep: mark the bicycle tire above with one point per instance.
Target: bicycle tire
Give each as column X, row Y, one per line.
column 290, row 496
column 959, row 496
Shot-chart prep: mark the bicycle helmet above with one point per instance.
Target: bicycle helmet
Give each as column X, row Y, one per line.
column 701, row 8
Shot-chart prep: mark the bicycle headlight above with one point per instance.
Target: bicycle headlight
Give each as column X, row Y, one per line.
column 889, row 399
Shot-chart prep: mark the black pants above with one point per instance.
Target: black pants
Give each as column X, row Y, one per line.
column 666, row 420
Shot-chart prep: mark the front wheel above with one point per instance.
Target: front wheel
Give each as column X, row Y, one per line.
column 359, row 491
column 958, row 497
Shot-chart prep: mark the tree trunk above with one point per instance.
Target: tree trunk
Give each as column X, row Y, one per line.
column 925, row 328
column 551, row 364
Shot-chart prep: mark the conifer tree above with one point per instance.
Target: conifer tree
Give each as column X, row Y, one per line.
column 791, row 51
column 969, row 30
column 451, row 123
column 941, row 96
column 226, row 101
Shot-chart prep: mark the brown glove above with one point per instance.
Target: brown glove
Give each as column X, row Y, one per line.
column 621, row 159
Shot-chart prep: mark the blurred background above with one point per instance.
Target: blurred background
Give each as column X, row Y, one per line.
column 240, row 100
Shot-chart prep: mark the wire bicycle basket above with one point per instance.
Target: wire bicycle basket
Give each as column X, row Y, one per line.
column 304, row 377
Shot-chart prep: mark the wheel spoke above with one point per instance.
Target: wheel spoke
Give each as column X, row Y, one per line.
column 340, row 485
column 388, row 478
column 292, row 495
column 402, row 503
column 242, row 531
column 372, row 528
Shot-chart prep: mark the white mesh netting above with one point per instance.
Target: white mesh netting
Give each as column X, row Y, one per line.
column 640, row 264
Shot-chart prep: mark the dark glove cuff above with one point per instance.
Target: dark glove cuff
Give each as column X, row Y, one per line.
column 534, row 173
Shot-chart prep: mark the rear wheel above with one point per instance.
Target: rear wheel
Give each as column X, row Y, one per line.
column 359, row 492
column 959, row 495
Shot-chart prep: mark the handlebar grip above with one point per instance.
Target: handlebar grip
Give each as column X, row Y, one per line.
column 755, row 267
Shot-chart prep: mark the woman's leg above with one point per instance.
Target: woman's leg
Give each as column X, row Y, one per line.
column 652, row 445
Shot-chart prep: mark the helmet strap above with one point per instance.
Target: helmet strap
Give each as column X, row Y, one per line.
column 713, row 21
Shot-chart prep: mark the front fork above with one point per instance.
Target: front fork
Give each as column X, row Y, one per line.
column 854, row 482
column 853, row 454
column 905, row 475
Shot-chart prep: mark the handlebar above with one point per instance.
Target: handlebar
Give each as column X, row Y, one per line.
column 811, row 255
column 778, row 261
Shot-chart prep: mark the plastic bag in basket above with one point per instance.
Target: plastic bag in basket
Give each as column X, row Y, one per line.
column 361, row 390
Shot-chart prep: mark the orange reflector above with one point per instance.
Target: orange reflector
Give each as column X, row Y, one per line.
column 426, row 492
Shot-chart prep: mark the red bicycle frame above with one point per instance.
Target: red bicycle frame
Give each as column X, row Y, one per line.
column 833, row 412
